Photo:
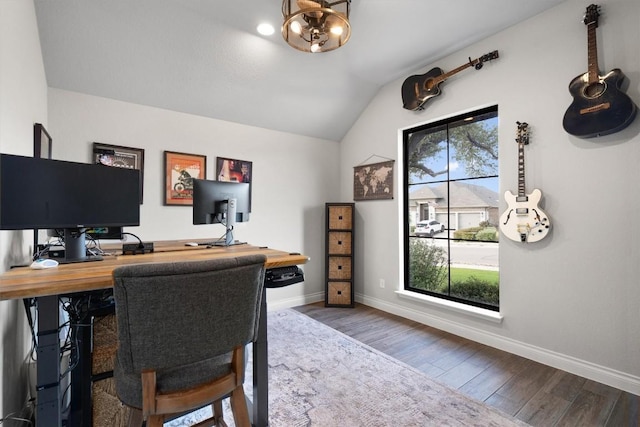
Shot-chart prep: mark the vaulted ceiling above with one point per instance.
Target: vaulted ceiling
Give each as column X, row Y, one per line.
column 204, row 57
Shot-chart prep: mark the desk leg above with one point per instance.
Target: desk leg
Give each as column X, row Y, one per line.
column 80, row 413
column 260, row 410
column 48, row 411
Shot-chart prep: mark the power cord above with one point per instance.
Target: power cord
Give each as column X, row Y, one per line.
column 46, row 247
column 92, row 245
column 139, row 239
column 11, row 416
column 25, row 415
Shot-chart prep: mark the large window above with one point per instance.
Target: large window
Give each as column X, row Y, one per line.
column 451, row 210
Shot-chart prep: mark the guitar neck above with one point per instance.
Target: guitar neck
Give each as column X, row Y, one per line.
column 592, row 53
column 445, row 76
column 521, row 187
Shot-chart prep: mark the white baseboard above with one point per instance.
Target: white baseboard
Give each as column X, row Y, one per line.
column 294, row 302
column 583, row 368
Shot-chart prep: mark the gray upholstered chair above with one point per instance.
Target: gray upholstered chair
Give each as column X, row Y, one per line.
column 182, row 331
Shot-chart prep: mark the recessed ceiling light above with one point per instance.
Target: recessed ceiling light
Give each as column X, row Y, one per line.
column 265, row 29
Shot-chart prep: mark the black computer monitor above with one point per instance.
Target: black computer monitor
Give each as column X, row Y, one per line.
column 38, row 193
column 214, row 202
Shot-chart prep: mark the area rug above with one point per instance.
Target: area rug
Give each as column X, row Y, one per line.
column 321, row 377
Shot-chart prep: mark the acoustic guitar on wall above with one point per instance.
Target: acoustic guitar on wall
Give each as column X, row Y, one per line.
column 418, row 89
column 523, row 220
column 599, row 107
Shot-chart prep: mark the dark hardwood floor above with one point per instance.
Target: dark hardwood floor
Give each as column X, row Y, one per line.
column 534, row 393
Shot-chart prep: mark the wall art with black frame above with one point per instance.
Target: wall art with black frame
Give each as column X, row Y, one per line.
column 235, row 170
column 119, row 156
column 42, row 142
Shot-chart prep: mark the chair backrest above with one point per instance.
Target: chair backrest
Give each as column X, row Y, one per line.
column 174, row 314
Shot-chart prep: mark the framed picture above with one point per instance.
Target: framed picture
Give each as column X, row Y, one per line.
column 120, row 157
column 233, row 170
column 373, row 181
column 41, row 142
column 180, row 171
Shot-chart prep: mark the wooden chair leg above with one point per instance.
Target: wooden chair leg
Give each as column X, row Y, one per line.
column 218, row 415
column 239, row 408
column 135, row 418
column 155, row 421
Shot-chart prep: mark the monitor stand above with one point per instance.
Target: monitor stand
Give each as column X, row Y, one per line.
column 221, row 243
column 228, row 239
column 230, row 215
column 75, row 249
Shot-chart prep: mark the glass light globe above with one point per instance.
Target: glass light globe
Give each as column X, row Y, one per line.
column 337, row 30
column 296, row 27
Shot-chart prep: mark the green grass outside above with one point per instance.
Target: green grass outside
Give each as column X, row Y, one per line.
column 462, row 274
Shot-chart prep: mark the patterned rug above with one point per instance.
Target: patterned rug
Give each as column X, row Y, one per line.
column 321, row 377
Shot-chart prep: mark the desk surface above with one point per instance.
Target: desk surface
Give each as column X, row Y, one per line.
column 24, row 282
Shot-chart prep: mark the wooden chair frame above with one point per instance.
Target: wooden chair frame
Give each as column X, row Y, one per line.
column 157, row 408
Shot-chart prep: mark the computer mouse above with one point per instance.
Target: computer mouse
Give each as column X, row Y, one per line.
column 41, row 263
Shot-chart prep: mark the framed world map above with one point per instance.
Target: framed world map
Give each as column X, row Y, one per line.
column 373, row 181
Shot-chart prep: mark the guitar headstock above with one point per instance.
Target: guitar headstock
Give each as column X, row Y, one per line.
column 591, row 15
column 489, row 56
column 523, row 133
column 477, row 63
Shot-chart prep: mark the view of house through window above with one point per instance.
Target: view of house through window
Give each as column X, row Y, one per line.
column 451, row 212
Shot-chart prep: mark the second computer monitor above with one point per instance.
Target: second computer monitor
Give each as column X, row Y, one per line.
column 210, row 201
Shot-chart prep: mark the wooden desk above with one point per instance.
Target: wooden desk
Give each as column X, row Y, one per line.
column 73, row 279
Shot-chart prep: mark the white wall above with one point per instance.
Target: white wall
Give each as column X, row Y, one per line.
column 293, row 176
column 572, row 300
column 23, row 101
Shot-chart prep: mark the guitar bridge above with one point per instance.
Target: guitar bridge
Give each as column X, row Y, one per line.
column 596, row 108
column 524, row 230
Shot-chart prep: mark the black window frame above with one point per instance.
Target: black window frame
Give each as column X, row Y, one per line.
column 470, row 116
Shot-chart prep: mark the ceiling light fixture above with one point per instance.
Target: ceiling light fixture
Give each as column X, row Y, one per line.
column 266, row 29
column 316, row 25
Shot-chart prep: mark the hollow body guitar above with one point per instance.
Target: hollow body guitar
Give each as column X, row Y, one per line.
column 599, row 106
column 523, row 220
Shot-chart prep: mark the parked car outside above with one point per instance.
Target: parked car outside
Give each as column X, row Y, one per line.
column 428, row 228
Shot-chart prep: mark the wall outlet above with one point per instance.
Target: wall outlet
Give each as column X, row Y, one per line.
column 382, row 283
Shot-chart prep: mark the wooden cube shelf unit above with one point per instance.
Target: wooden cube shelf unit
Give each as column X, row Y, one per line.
column 339, row 248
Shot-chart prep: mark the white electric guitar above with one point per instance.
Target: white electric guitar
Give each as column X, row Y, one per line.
column 524, row 221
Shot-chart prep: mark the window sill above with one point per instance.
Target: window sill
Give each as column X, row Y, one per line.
column 469, row 310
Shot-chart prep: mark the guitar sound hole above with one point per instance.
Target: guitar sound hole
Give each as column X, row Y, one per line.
column 594, row 90
column 428, row 85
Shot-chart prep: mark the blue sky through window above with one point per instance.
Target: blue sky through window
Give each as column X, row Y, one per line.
column 456, row 167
